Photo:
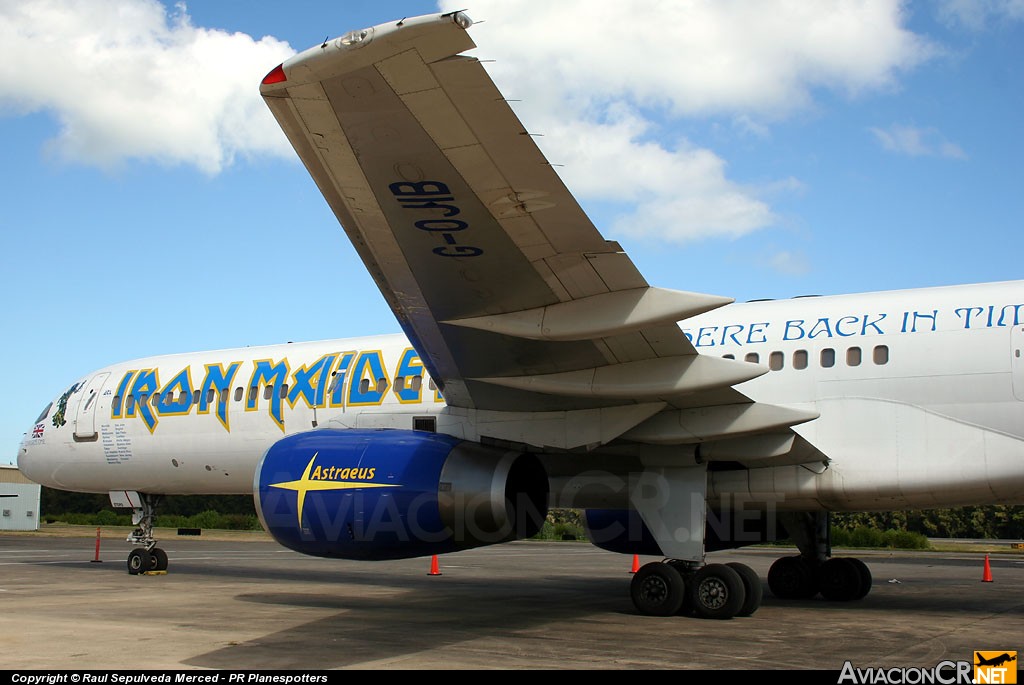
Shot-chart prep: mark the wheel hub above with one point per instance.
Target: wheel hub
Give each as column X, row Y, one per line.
column 654, row 589
column 713, row 593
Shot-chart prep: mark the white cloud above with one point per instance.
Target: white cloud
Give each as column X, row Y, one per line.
column 788, row 263
column 608, row 82
column 678, row 193
column 699, row 56
column 917, row 142
column 126, row 79
column 976, row 15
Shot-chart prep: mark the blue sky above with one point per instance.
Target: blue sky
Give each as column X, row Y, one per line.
column 750, row 149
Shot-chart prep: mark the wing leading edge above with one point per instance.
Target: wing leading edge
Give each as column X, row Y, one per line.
column 521, row 311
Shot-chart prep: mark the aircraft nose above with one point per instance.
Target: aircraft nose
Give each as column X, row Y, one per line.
column 24, row 458
column 32, row 452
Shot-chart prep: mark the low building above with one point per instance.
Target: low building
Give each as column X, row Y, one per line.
column 19, row 500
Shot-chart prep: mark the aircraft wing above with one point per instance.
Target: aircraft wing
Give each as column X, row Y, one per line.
column 515, row 302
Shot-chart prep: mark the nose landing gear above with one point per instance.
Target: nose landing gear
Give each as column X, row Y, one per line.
column 146, row 557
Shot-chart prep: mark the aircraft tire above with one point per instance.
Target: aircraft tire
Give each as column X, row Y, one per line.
column 657, row 589
column 754, row 591
column 792, row 578
column 139, row 561
column 865, row 578
column 717, row 592
column 159, row 559
column 839, row 580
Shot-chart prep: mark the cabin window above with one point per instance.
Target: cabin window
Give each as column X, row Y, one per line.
column 775, row 361
column 881, row 354
column 211, row 395
column 252, row 393
column 400, row 383
column 828, row 358
column 284, row 390
column 382, row 385
column 268, row 392
column 728, row 356
column 431, row 384
column 417, row 383
column 752, row 357
column 196, row 396
column 364, row 386
column 223, row 395
column 800, row 359
column 155, row 397
column 853, row 356
column 238, row 394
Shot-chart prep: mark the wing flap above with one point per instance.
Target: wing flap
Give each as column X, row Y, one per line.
column 597, row 316
column 682, row 426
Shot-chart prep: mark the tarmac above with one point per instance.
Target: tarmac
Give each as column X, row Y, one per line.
column 248, row 604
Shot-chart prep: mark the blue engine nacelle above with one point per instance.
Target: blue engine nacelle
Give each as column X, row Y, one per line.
column 395, row 494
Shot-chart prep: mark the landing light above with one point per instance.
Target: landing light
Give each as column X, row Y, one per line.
column 353, row 37
column 462, row 19
column 275, row 76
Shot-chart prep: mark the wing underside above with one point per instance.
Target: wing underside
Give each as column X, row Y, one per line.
column 521, row 311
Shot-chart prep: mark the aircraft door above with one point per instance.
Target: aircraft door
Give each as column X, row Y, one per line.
column 85, row 420
column 1017, row 360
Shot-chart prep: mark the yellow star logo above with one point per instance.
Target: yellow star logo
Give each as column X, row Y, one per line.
column 305, row 484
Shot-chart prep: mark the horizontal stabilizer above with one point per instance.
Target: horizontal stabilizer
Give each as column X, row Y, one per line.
column 598, row 316
column 647, row 379
column 712, row 423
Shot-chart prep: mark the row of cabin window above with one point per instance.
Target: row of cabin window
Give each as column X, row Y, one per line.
column 414, row 383
column 827, row 357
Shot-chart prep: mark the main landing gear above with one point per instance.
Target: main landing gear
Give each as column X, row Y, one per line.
column 838, row 579
column 720, row 591
column 146, row 556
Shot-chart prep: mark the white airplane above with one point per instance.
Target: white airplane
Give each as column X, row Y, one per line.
column 566, row 379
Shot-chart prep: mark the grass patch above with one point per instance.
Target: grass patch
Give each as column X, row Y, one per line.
column 208, row 520
column 866, row 537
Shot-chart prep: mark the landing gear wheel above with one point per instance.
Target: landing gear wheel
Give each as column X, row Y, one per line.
column 139, row 561
column 717, row 592
column 751, row 587
column 686, row 571
column 865, row 577
column 146, row 556
column 657, row 589
column 792, row 578
column 159, row 559
column 839, row 580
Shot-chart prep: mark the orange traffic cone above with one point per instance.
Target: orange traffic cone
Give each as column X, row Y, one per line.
column 434, row 570
column 636, row 563
column 986, row 577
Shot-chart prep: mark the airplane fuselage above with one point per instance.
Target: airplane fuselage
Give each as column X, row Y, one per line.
column 920, row 395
